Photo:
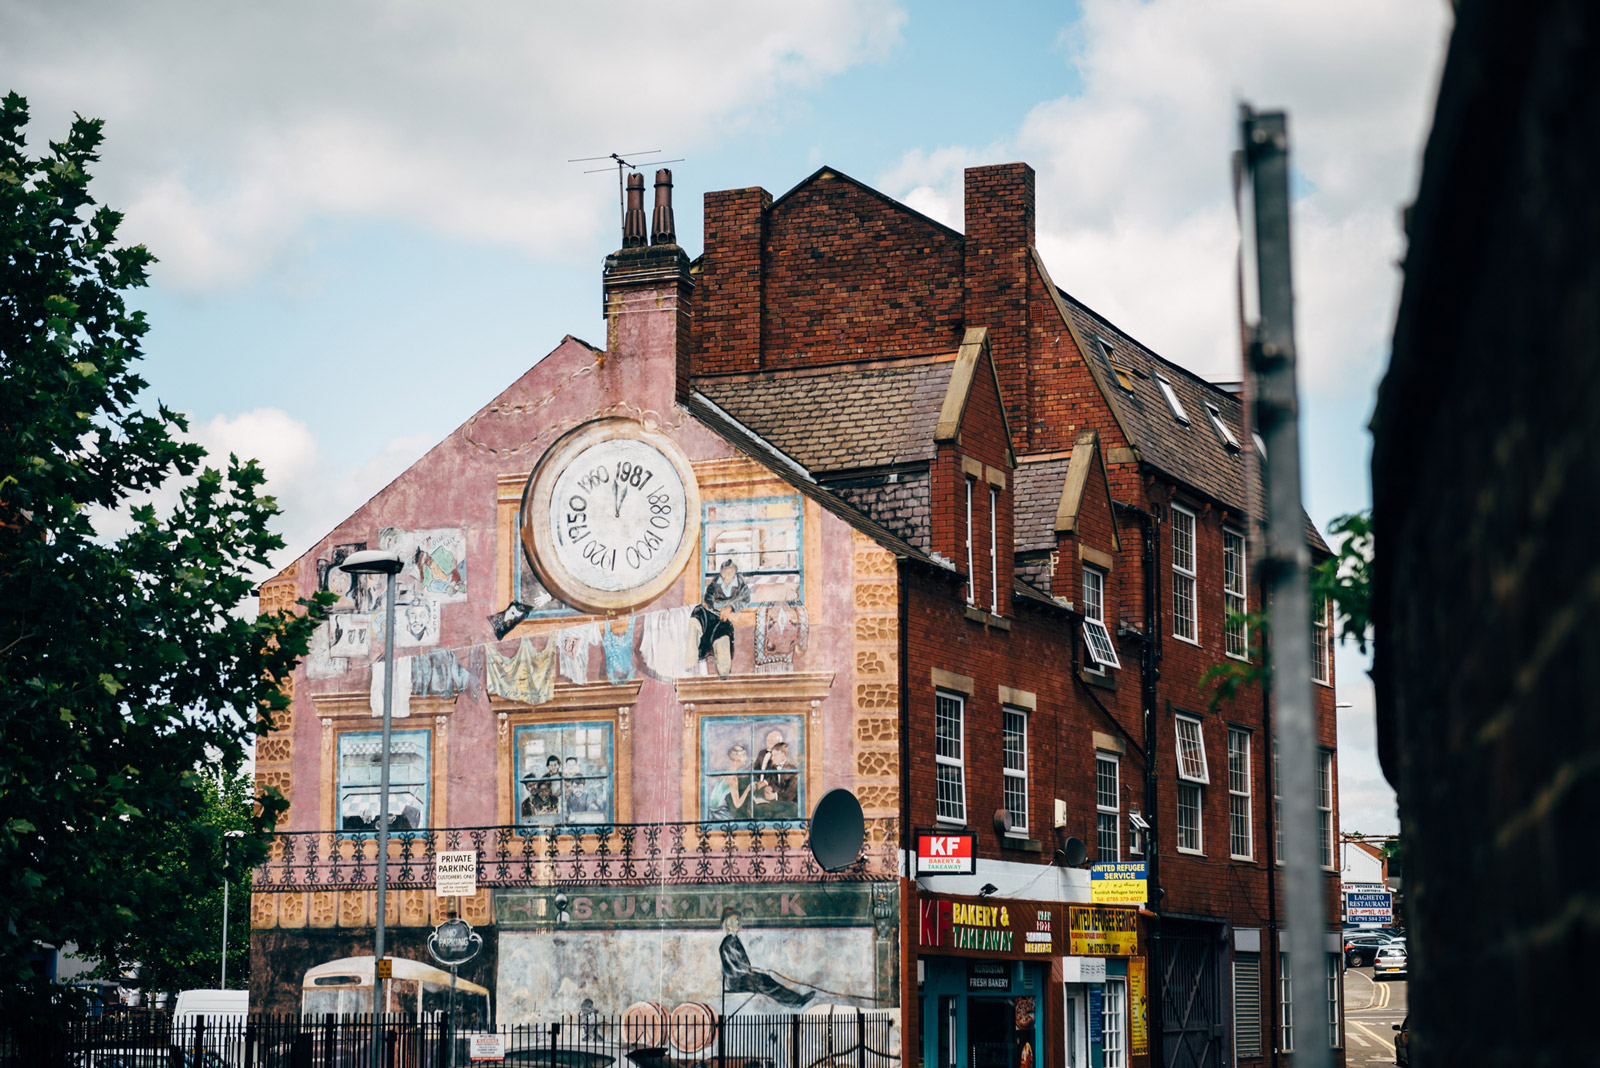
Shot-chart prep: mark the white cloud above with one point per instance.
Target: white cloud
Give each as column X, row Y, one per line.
column 1134, row 197
column 231, row 127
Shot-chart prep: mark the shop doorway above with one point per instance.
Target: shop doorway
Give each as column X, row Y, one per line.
column 1075, row 1025
column 992, row 1033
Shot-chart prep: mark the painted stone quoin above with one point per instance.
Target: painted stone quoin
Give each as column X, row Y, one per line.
column 851, row 500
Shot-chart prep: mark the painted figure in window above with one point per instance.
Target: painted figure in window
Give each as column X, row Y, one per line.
column 730, row 796
column 541, row 799
column 580, row 796
column 778, row 786
column 739, row 977
column 711, row 627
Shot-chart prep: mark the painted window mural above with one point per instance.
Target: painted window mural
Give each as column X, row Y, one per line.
column 762, row 537
column 360, row 776
column 752, row 767
column 565, row 774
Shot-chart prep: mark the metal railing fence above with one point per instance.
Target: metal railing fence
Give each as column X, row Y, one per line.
column 616, row 854
column 837, row 1038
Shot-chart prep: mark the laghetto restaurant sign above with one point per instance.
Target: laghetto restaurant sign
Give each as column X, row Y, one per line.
column 990, row 927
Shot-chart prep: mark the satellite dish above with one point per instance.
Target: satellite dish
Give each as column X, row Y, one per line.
column 837, row 830
column 1002, row 822
column 1072, row 854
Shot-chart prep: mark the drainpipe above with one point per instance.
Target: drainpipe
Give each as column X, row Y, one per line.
column 1149, row 675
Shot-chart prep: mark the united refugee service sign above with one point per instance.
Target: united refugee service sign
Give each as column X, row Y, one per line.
column 1369, row 907
column 1121, row 883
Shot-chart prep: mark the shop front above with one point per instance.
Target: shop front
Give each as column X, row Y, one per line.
column 984, row 967
column 1014, row 984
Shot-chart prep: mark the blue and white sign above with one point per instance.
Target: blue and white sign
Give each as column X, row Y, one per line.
column 1369, row 907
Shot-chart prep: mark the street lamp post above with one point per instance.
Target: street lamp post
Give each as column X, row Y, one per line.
column 378, row 562
column 226, row 836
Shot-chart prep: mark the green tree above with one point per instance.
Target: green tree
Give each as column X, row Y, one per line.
column 179, row 944
column 126, row 665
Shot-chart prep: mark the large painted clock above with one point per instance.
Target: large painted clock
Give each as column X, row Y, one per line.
column 611, row 515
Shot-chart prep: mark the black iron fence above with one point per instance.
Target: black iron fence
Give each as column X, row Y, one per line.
column 620, row 854
column 830, row 1038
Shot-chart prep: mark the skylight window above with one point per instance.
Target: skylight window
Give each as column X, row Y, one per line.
column 1172, row 400
column 1123, row 376
column 1222, row 428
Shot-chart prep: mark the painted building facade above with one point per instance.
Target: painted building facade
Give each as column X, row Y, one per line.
column 888, row 512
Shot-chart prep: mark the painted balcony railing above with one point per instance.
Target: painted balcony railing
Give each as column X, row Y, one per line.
column 622, row 854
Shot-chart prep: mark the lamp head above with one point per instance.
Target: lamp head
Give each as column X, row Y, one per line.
column 988, row 889
column 372, row 562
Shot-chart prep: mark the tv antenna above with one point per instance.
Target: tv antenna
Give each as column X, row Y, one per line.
column 624, row 166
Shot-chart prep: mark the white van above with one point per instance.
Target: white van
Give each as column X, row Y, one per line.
column 211, row 1003
column 225, row 1013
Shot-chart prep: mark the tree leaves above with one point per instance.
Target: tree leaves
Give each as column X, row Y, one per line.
column 123, row 664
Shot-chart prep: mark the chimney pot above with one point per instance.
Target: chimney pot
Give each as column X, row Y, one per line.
column 633, row 218
column 663, row 230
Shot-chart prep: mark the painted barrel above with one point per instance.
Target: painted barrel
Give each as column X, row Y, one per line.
column 644, row 1023
column 694, row 1026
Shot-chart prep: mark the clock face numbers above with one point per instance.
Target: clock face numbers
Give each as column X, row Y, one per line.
column 617, row 514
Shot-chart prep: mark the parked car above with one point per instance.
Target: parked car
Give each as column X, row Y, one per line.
column 1402, row 1042
column 1391, row 960
column 1360, row 949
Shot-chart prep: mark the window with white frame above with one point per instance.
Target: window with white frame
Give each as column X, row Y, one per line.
column 1223, row 433
column 1322, row 644
column 1285, row 1005
column 1108, row 814
column 1246, row 1005
column 994, row 550
column 972, row 579
column 1184, row 624
column 1241, row 844
column 949, row 758
column 1015, row 770
column 1235, row 600
column 1136, row 832
column 1096, row 638
column 1325, row 806
column 1191, row 836
column 1114, row 1021
column 1193, row 774
column 1172, row 400
column 1191, row 751
column 1277, row 806
column 1335, row 988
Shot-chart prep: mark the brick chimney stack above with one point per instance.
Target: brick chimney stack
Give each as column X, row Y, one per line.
column 647, row 302
column 1000, row 236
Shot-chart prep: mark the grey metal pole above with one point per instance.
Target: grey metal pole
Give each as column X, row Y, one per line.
column 383, row 824
column 223, row 982
column 1286, row 568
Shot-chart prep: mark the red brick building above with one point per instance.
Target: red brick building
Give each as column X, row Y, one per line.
column 1081, row 477
column 1015, row 539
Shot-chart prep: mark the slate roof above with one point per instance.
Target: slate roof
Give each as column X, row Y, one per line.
column 1193, row 453
column 840, row 420
column 1035, row 499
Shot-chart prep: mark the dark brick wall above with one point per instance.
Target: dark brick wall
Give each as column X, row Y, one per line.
column 905, row 505
column 1486, row 469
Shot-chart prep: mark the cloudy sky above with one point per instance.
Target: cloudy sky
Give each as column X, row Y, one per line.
column 367, row 224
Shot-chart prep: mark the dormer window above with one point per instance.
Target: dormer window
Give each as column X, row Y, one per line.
column 1222, row 428
column 1172, row 400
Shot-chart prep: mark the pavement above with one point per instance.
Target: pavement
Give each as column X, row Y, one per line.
column 1371, row 1009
